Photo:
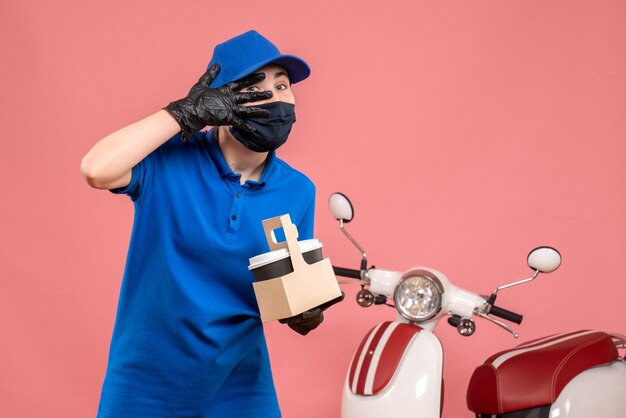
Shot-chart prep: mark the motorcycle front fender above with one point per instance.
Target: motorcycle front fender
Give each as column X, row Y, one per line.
column 378, row 386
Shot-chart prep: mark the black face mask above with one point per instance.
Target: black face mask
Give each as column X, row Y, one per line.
column 272, row 131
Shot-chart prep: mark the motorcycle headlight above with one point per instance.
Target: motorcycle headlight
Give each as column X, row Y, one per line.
column 418, row 296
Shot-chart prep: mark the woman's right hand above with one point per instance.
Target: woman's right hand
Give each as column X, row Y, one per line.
column 110, row 161
column 217, row 106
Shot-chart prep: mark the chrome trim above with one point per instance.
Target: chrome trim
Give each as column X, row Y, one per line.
column 466, row 327
column 429, row 275
column 620, row 343
column 356, row 244
column 533, row 277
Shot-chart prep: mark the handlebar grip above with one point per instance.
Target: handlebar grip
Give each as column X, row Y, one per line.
column 505, row 314
column 352, row 273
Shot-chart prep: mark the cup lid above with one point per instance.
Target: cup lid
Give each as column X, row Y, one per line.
column 272, row 256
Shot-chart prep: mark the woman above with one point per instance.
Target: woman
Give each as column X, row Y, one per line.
column 188, row 341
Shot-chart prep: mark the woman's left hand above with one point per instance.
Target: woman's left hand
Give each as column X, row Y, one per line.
column 309, row 320
column 305, row 322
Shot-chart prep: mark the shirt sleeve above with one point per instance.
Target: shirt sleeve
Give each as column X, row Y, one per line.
column 144, row 172
column 138, row 178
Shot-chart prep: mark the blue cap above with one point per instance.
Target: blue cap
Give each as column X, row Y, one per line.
column 246, row 53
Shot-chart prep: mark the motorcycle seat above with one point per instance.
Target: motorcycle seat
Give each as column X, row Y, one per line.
column 534, row 373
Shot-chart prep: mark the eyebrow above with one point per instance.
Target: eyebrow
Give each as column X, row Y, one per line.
column 277, row 74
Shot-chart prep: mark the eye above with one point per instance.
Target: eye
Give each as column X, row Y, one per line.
column 254, row 89
column 282, row 87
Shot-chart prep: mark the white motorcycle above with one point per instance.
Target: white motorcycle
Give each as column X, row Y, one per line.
column 397, row 370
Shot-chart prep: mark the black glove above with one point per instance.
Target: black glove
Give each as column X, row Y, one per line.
column 221, row 106
column 311, row 319
column 305, row 322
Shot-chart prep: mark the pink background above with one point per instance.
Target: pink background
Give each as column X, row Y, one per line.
column 465, row 132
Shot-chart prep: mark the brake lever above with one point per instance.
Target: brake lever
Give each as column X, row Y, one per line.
column 495, row 321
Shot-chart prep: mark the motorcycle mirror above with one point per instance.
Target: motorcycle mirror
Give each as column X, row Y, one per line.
column 342, row 210
column 540, row 260
column 340, row 207
column 544, row 259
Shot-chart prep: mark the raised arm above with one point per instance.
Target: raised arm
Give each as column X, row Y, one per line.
column 109, row 163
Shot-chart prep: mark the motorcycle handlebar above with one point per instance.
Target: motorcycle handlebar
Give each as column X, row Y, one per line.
column 495, row 310
column 506, row 314
column 345, row 272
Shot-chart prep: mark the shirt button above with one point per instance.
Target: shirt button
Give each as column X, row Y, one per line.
column 238, row 194
column 234, row 217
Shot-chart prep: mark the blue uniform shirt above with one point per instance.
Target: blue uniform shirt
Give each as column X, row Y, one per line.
column 188, row 340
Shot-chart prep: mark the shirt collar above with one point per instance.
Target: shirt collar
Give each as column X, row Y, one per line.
column 224, row 169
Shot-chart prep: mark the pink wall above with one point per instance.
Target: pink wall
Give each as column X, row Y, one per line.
column 465, row 132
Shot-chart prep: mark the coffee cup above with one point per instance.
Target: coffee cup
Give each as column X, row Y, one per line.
column 277, row 263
